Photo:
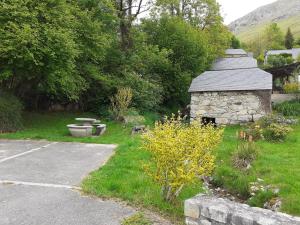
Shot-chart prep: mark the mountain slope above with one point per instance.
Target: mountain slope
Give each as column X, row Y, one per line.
column 284, row 12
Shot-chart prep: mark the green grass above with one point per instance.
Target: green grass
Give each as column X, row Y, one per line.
column 277, row 164
column 137, row 219
column 123, row 176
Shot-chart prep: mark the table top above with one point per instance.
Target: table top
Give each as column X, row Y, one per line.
column 85, row 119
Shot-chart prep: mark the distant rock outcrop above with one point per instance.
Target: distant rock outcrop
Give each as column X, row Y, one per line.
column 275, row 12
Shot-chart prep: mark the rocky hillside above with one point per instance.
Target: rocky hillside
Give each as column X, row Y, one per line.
column 285, row 12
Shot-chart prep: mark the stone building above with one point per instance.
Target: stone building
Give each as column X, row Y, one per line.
column 234, row 91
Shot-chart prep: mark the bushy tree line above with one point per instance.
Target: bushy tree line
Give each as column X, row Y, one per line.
column 81, row 51
column 272, row 38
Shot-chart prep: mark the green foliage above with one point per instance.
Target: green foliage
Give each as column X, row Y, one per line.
column 233, row 180
column 58, row 51
column 46, row 46
column 245, row 153
column 290, row 108
column 180, row 153
column 10, row 113
column 280, row 60
column 276, row 132
column 290, row 88
column 147, row 93
column 261, row 198
column 273, row 37
column 289, row 39
column 136, row 219
column 120, row 103
column 199, row 13
column 189, row 54
column 235, row 42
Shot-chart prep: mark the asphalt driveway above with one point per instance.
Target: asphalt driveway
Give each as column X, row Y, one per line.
column 39, row 184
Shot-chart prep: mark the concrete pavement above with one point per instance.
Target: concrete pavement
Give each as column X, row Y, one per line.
column 39, row 182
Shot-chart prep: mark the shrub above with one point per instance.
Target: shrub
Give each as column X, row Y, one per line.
column 120, row 102
column 276, row 132
column 246, row 153
column 137, row 219
column 291, row 108
column 266, row 121
column 291, row 88
column 280, row 60
column 10, row 113
column 132, row 117
column 261, row 198
column 252, row 133
column 181, row 152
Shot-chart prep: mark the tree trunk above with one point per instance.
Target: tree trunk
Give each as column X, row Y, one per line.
column 126, row 40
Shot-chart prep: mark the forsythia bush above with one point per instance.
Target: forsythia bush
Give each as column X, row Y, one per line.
column 276, row 132
column 291, row 88
column 181, row 153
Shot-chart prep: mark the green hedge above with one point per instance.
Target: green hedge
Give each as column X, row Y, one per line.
column 10, row 113
column 291, row 108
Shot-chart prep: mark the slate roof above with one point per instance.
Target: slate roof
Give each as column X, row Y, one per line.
column 234, row 63
column 232, row 80
column 241, row 52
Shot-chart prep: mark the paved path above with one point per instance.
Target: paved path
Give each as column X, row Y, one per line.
column 39, row 184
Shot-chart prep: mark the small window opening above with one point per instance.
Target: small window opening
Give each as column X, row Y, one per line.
column 208, row 120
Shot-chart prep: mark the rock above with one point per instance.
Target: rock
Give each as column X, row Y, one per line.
column 210, row 210
column 138, row 129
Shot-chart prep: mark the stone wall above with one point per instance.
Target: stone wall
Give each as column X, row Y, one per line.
column 279, row 98
column 206, row 210
column 232, row 107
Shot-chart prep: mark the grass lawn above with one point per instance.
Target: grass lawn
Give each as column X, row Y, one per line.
column 278, row 164
column 123, row 176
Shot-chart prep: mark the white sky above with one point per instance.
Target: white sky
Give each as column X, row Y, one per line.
column 234, row 9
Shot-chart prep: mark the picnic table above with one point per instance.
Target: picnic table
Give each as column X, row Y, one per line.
column 86, row 121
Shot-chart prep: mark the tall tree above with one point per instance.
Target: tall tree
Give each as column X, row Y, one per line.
column 45, row 45
column 199, row 13
column 202, row 14
column 289, row 39
column 273, row 37
column 189, row 53
column 128, row 12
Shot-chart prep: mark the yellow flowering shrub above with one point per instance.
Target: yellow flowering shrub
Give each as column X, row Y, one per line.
column 291, row 88
column 181, row 153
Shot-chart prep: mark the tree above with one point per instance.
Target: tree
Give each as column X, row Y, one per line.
column 128, row 11
column 280, row 60
column 201, row 14
column 273, row 37
column 189, row 54
column 46, row 47
column 235, row 43
column 289, row 39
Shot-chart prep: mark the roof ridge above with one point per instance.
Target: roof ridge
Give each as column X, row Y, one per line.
column 237, row 69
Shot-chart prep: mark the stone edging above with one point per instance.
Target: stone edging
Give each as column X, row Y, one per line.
column 209, row 210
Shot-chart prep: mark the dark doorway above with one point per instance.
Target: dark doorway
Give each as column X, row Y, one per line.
column 208, row 120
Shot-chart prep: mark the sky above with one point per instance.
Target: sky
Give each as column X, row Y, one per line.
column 234, row 9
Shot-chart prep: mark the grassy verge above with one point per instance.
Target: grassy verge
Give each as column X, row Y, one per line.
column 123, row 176
column 277, row 164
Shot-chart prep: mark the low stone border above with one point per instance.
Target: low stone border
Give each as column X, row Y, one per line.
column 208, row 210
column 279, row 98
